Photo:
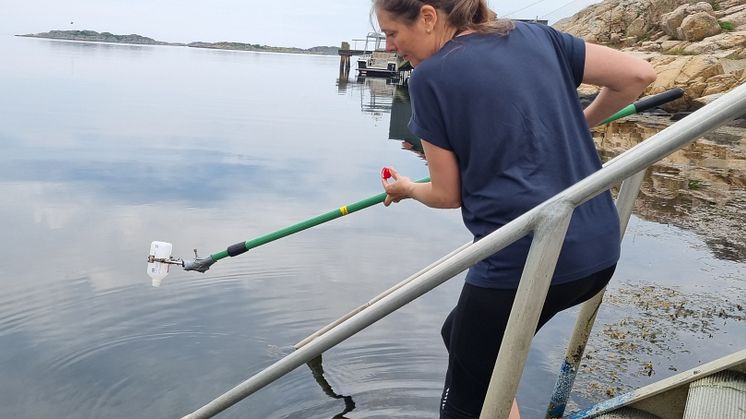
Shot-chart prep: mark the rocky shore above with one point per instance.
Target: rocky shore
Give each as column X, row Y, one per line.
column 701, row 48
column 698, row 46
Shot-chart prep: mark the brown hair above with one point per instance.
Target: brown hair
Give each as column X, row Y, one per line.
column 461, row 14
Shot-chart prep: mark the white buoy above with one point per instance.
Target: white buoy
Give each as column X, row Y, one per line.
column 158, row 270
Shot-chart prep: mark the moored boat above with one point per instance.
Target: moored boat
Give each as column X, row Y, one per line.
column 375, row 60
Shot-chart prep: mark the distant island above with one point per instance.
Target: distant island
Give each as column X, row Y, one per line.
column 238, row 46
column 93, row 36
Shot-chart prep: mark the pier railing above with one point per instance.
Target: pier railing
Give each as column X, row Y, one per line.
column 548, row 222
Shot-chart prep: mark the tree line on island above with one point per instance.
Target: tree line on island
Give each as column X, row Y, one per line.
column 93, row 36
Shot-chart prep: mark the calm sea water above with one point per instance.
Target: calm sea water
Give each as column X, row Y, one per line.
column 106, row 148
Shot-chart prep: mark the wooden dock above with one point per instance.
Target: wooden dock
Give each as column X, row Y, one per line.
column 344, row 58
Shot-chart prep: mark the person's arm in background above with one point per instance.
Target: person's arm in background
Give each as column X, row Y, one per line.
column 622, row 78
column 443, row 190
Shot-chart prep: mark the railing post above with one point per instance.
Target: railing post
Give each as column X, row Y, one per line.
column 524, row 316
column 625, row 201
column 587, row 316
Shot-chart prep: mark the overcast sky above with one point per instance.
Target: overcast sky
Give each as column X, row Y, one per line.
column 300, row 23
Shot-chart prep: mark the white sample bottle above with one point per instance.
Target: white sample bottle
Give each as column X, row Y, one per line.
column 158, row 270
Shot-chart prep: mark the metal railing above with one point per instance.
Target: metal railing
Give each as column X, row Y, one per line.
column 548, row 221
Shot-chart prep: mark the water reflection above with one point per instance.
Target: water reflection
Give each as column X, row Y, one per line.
column 91, row 47
column 199, row 148
column 376, row 93
column 700, row 187
column 401, row 112
column 380, row 96
column 317, row 369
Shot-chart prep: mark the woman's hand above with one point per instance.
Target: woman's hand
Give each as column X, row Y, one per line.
column 443, row 191
column 397, row 190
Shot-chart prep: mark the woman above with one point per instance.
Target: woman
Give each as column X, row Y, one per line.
column 496, row 106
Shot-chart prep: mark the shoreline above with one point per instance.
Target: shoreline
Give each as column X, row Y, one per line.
column 135, row 39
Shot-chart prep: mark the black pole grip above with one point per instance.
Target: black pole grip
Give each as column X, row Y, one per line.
column 659, row 99
column 237, row 249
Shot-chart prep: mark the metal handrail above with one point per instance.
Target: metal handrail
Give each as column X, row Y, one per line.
column 548, row 221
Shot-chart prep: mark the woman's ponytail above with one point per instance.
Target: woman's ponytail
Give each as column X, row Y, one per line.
column 464, row 15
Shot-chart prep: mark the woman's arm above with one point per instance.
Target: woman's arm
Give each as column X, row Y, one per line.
column 443, row 190
column 622, row 78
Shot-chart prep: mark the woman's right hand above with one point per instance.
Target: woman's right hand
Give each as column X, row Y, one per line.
column 400, row 188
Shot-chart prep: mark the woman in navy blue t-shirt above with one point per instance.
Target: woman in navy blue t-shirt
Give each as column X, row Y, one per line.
column 496, row 106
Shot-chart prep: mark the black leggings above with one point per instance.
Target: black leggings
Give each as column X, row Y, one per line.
column 473, row 331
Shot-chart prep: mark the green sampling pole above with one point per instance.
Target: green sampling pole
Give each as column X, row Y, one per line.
column 203, row 264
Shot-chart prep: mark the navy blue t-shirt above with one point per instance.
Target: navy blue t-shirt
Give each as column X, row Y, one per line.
column 508, row 108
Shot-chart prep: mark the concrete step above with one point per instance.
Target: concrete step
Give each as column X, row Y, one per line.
column 721, row 395
column 628, row 413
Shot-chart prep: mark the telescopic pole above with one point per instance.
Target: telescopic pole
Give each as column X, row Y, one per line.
column 203, row 264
